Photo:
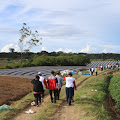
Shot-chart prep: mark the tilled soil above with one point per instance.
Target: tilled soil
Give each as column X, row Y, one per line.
column 13, row 88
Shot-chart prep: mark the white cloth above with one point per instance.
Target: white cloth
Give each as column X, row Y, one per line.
column 42, row 80
column 69, row 82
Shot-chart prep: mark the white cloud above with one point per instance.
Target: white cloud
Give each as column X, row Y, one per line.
column 60, row 49
column 7, row 47
column 108, row 51
column 64, row 50
column 44, row 49
column 88, row 49
column 105, row 51
column 110, row 48
column 68, row 50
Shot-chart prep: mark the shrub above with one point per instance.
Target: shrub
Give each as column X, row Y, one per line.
column 114, row 89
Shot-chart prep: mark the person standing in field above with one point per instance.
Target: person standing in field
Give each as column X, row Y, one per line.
column 52, row 85
column 96, row 70
column 70, row 83
column 98, row 67
column 43, row 80
column 90, row 71
column 60, row 83
column 37, row 89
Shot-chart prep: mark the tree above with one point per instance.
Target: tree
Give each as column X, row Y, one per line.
column 11, row 50
column 28, row 39
column 26, row 50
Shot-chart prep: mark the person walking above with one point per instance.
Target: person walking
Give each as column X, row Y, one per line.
column 44, row 82
column 90, row 71
column 70, row 83
column 52, row 85
column 60, row 83
column 37, row 89
column 96, row 70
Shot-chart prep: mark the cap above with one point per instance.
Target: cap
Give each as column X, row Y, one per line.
column 39, row 73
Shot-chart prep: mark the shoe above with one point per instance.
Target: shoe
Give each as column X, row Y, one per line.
column 51, row 101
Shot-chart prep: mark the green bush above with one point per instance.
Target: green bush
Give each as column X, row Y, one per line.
column 114, row 89
column 45, row 60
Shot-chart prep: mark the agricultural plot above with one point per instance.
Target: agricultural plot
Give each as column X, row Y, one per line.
column 13, row 88
column 90, row 98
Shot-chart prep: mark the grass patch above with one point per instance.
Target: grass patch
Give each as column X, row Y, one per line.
column 17, row 107
column 114, row 89
column 90, row 99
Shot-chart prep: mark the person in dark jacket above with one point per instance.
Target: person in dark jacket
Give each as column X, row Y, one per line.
column 37, row 89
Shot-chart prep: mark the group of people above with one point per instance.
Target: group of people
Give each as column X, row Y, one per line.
column 92, row 70
column 54, row 84
column 102, row 67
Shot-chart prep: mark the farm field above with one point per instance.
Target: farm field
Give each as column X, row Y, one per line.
column 88, row 105
column 13, row 88
column 16, row 83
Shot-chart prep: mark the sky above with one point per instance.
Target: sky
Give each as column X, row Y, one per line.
column 89, row 26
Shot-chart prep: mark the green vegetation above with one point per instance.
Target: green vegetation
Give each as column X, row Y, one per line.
column 28, row 39
column 102, row 60
column 91, row 99
column 44, row 60
column 114, row 89
column 17, row 107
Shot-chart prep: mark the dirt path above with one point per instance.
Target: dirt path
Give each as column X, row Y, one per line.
column 64, row 111
column 63, row 108
column 25, row 116
column 67, row 112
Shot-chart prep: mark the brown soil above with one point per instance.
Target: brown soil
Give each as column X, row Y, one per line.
column 13, row 88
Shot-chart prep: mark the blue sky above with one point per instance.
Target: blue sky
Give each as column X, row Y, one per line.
column 90, row 26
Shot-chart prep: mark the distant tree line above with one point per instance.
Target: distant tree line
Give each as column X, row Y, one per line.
column 27, row 55
column 72, row 60
column 44, row 59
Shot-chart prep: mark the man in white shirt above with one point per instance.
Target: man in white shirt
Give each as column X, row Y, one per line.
column 70, row 83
